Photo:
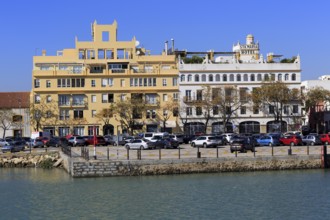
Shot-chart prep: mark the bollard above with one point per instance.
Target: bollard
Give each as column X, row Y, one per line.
column 236, row 151
column 160, row 154
column 127, row 154
column 108, row 153
column 118, row 154
column 179, row 153
column 308, row 149
column 217, row 152
column 198, row 153
column 272, row 150
column 290, row 150
column 325, row 161
column 254, row 151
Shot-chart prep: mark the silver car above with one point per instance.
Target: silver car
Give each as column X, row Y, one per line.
column 77, row 141
column 137, row 144
column 205, row 141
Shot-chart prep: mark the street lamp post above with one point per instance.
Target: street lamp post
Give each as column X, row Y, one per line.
column 118, row 134
column 21, row 117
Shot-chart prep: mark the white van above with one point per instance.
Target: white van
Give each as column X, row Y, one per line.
column 150, row 135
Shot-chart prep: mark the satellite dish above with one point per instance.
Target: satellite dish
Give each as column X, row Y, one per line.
column 137, row 43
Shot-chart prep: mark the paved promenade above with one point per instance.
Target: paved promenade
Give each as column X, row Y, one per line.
column 186, row 151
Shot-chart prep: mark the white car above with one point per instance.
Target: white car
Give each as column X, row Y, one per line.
column 205, row 141
column 137, row 144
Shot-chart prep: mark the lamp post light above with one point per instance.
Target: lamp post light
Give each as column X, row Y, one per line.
column 118, row 134
column 21, row 117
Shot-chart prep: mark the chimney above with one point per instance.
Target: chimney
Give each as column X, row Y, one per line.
column 166, row 47
column 43, row 52
column 172, row 45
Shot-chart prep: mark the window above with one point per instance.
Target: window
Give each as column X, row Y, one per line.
column 78, row 100
column 203, row 78
column 36, row 83
column 189, row 78
column 189, row 111
column 165, row 112
column 224, row 78
column 266, row 77
column 196, row 78
column 252, row 77
column 151, row 114
column 259, row 77
column 199, row 96
column 243, row 110
column 48, row 84
column 293, row 77
column 255, row 110
column 122, row 97
column 107, row 98
column 215, row 110
column 64, row 100
column 286, row 77
column 164, row 82
column 100, row 54
column 91, row 130
column 231, row 77
column 151, row 98
column 271, row 109
column 78, row 114
column 279, row 77
column 165, row 97
column 93, row 97
column 49, row 114
column 286, row 109
column 243, row 96
column 210, row 78
column 63, row 131
column 93, row 113
column 198, row 110
column 78, row 82
column 122, row 82
column 64, row 114
column 93, row 83
column 238, row 78
column 217, row 77
column 245, row 77
column 17, row 118
column 182, row 78
column 37, row 99
column 62, row 83
column 79, row 130
column 295, row 109
column 175, row 81
column 175, row 96
column 48, row 98
column 228, row 110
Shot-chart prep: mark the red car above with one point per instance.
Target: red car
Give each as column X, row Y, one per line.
column 325, row 138
column 99, row 140
column 44, row 140
column 292, row 140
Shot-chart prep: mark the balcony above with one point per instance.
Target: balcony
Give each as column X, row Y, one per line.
column 76, row 104
column 191, row 99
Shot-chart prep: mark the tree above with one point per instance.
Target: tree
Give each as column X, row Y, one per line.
column 6, row 120
column 193, row 59
column 106, row 114
column 275, row 95
column 167, row 110
column 44, row 113
column 228, row 100
column 131, row 112
column 315, row 96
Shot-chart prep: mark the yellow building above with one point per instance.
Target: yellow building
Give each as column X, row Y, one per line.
column 71, row 88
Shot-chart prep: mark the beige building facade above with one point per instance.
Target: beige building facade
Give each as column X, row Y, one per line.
column 76, row 84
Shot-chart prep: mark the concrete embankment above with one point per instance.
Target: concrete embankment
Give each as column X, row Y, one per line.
column 99, row 168
column 42, row 160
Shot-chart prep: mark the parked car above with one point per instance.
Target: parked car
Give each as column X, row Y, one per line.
column 57, row 142
column 325, row 138
column 137, row 144
column 311, row 140
column 98, row 140
column 173, row 143
column 292, row 140
column 227, row 137
column 177, row 137
column 37, row 142
column 188, row 138
column 268, row 140
column 44, row 140
column 5, row 141
column 27, row 140
column 242, row 144
column 160, row 143
column 77, row 141
column 220, row 140
column 14, row 147
column 109, row 140
column 205, row 141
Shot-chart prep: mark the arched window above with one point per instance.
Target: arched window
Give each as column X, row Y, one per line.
column 210, row 78
column 286, row 77
column 259, row 77
column 231, row 77
column 183, row 78
column 279, row 77
column 189, row 78
column 224, row 77
column 252, row 77
column 217, row 78
column 293, row 77
column 245, row 77
column 266, row 77
column 203, row 78
column 196, row 78
column 238, row 77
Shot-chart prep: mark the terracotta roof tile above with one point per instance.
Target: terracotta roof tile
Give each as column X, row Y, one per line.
column 14, row 99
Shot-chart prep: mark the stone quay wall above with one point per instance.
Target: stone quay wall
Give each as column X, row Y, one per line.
column 101, row 168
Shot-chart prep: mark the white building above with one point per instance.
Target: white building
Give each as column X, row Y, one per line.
column 243, row 68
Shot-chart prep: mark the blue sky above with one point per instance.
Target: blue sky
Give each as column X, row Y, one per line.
column 286, row 27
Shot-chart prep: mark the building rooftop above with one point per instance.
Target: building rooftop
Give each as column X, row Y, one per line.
column 14, row 99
